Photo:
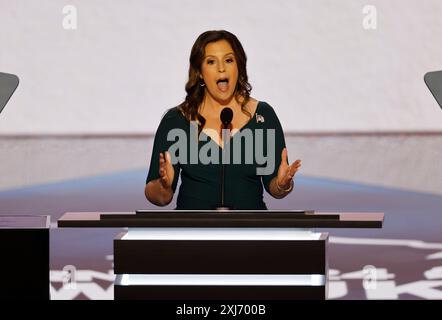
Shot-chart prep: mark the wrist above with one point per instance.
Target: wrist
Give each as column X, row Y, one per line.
column 283, row 188
column 164, row 186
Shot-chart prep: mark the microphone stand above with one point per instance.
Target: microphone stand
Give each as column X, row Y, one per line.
column 223, row 173
column 225, row 125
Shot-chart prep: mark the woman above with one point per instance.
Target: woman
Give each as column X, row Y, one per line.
column 218, row 79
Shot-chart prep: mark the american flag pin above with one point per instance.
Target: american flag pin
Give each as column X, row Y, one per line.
column 259, row 118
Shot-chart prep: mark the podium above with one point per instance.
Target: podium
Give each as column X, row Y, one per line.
column 213, row 255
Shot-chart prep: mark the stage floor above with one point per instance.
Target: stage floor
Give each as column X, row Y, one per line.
column 406, row 254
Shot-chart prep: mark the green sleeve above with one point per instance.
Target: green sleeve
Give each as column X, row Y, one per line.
column 168, row 122
column 273, row 123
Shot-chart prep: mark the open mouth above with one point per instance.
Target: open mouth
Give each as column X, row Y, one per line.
column 223, row 84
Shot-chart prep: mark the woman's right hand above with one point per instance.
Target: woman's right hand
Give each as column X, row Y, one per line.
column 166, row 170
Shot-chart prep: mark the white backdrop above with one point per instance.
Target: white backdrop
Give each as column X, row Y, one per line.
column 311, row 60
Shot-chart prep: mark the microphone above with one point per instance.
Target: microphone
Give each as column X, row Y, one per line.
column 226, row 117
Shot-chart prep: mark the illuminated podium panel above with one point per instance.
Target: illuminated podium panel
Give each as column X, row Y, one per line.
column 220, row 263
column 245, row 255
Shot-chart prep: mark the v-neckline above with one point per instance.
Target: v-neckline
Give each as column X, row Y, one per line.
column 239, row 130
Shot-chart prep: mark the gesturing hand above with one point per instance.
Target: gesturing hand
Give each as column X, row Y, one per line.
column 286, row 172
column 166, row 170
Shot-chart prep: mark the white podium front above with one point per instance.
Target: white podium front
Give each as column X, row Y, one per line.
column 220, row 263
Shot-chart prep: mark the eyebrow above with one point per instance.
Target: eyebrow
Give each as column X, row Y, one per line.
column 210, row 55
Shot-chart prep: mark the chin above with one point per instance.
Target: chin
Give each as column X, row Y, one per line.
column 226, row 98
column 223, row 97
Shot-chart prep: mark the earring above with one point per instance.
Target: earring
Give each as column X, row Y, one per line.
column 202, row 84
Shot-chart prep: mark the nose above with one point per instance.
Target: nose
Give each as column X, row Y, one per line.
column 221, row 67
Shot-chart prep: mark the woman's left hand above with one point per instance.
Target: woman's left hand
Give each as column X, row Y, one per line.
column 286, row 172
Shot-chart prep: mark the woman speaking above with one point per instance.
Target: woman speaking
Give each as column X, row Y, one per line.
column 218, row 80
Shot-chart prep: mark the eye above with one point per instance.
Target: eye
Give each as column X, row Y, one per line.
column 210, row 61
column 229, row 60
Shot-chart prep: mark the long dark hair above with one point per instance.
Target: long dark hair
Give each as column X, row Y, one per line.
column 195, row 92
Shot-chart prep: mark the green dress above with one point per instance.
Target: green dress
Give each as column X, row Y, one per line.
column 200, row 181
